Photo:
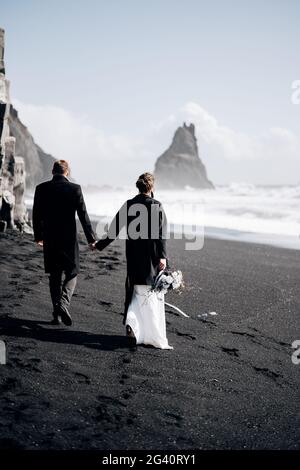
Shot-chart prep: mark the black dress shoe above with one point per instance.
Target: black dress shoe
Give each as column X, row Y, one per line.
column 65, row 317
column 132, row 343
column 131, row 338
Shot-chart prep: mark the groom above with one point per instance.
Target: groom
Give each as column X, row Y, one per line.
column 56, row 203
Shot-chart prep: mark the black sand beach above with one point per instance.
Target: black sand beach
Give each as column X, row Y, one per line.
column 229, row 383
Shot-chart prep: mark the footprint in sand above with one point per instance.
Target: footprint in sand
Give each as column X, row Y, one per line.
column 174, row 419
column 188, row 335
column 103, row 302
column 7, row 296
column 123, row 378
column 231, row 351
column 26, row 365
column 253, row 338
column 35, row 359
column 267, row 372
column 110, row 258
column 270, row 338
column 25, row 410
column 27, row 290
column 21, row 348
column 16, row 276
column 242, row 333
column 113, row 414
column 83, row 378
column 79, row 296
column 110, row 267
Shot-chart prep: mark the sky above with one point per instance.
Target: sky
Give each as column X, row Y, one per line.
column 106, row 84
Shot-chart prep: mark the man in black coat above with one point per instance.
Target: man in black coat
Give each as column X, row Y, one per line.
column 56, row 203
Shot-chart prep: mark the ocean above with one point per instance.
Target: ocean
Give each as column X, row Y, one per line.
column 244, row 212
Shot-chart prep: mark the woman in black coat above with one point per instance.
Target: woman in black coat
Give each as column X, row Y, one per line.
column 145, row 224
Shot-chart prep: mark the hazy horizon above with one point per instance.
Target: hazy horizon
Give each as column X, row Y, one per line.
column 106, row 85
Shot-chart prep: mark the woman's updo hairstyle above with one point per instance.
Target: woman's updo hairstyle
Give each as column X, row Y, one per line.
column 145, row 183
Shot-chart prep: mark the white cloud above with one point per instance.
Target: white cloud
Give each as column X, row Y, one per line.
column 97, row 157
column 93, row 155
column 229, row 144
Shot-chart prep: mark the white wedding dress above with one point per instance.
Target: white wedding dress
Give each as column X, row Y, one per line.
column 146, row 317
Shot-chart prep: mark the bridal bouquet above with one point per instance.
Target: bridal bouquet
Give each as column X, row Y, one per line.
column 167, row 280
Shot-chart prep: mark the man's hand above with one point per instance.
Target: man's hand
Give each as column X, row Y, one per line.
column 40, row 243
column 162, row 264
column 92, row 246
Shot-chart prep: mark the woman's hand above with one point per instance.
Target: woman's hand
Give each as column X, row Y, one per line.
column 162, row 264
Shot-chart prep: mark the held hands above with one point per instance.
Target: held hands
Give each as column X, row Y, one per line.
column 162, row 264
column 92, row 246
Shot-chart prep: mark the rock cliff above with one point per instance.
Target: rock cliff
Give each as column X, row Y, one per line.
column 12, row 167
column 38, row 163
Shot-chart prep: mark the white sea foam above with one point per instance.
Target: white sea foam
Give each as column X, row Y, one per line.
column 239, row 211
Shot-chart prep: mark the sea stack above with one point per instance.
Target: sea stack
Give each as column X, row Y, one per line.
column 180, row 166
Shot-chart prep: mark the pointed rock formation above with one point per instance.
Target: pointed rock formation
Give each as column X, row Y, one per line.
column 180, row 165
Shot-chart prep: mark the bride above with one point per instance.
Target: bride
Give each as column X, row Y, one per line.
column 144, row 221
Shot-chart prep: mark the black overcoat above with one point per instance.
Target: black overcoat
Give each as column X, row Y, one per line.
column 55, row 205
column 142, row 253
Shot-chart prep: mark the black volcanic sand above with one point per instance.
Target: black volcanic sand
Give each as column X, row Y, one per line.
column 229, row 383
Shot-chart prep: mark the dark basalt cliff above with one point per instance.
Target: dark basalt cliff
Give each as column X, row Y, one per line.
column 38, row 164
